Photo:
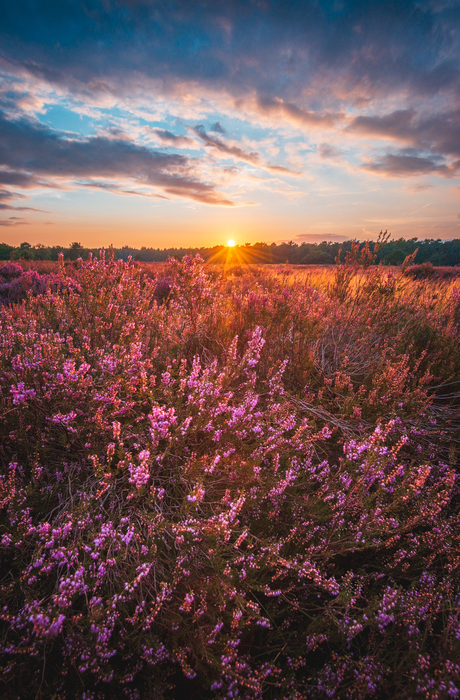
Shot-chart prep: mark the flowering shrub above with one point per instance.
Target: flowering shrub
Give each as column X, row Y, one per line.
column 230, row 487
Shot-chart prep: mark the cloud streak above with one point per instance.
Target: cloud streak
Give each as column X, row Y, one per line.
column 251, row 157
column 6, row 196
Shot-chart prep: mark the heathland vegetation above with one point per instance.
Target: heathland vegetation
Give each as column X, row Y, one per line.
column 229, row 482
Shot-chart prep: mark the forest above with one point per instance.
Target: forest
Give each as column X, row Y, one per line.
column 392, row 252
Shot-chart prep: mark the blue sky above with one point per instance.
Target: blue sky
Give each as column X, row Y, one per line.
column 155, row 123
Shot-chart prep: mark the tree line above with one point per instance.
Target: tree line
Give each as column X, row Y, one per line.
column 393, row 252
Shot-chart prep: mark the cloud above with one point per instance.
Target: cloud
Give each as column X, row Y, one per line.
column 30, row 147
column 396, row 125
column 233, row 151
column 20, row 179
column 387, row 70
column 111, row 187
column 421, row 187
column 6, row 196
column 288, row 54
column 403, row 165
column 326, row 151
column 281, row 169
column 13, row 221
column 217, row 128
column 439, row 132
column 277, row 107
column 172, row 139
column 436, row 135
column 321, row 238
column 238, row 153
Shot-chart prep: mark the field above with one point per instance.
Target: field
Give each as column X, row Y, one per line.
column 233, row 482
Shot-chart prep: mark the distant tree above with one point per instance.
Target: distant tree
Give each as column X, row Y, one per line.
column 6, row 251
column 25, row 251
column 75, row 251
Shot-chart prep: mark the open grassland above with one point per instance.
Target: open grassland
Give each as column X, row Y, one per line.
column 231, row 482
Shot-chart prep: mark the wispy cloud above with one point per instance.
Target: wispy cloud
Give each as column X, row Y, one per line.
column 7, row 196
column 238, row 153
column 13, row 221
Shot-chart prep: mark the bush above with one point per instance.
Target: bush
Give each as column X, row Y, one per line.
column 16, row 283
column 426, row 271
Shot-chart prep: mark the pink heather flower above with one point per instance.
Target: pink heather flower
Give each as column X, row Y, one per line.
column 161, row 420
column 139, row 475
column 20, row 394
column 187, row 604
column 197, row 494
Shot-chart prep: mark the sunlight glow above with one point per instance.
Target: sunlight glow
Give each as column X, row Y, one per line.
column 230, row 244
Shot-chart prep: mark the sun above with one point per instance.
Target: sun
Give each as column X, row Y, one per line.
column 230, row 244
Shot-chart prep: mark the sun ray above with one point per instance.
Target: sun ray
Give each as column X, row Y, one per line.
column 232, row 256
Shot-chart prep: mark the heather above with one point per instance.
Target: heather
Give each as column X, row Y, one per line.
column 229, row 482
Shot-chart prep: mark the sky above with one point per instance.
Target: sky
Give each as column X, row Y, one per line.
column 177, row 123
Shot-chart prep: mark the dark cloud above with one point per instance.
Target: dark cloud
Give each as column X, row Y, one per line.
column 29, row 147
column 434, row 141
column 172, row 139
column 438, row 132
column 396, row 125
column 217, row 128
column 24, row 180
column 404, row 164
column 270, row 49
column 7, row 195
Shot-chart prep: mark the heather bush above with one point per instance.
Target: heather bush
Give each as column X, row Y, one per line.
column 230, row 486
column 17, row 282
column 427, row 270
